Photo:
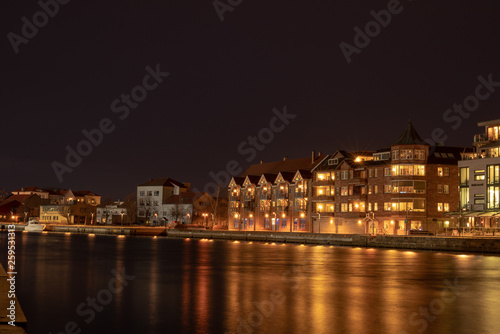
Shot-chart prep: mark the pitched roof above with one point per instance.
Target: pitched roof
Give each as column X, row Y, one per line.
column 184, row 198
column 288, row 165
column 84, row 193
column 163, row 181
column 409, row 136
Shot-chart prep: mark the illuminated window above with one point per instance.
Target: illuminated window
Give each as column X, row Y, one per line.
column 440, row 207
column 406, row 154
column 443, row 171
column 375, row 206
column 375, row 189
column 343, row 207
column 387, row 206
column 387, row 171
column 419, row 155
column 479, row 175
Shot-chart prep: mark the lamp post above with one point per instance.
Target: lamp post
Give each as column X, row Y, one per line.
column 407, row 232
column 122, row 217
column 319, row 222
column 92, row 219
column 156, row 218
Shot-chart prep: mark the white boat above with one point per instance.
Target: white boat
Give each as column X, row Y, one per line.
column 34, row 226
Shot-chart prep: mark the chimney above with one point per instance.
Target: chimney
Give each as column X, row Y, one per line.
column 319, row 154
column 313, row 156
column 285, row 158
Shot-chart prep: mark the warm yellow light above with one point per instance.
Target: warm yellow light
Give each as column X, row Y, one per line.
column 331, row 221
column 320, row 191
column 356, row 205
column 251, row 215
column 267, row 215
column 282, row 187
column 235, row 215
column 392, row 222
column 302, row 215
column 121, row 236
column 358, row 159
column 283, row 215
column 91, row 235
column 321, row 176
column 359, row 221
column 320, row 207
column 446, row 223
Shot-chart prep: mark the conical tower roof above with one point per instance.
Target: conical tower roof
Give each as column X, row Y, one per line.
column 409, row 136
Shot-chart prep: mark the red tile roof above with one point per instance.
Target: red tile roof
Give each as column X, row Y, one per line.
column 163, row 181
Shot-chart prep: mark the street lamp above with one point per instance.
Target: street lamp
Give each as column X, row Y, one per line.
column 122, row 217
column 406, row 220
column 92, row 219
column 205, row 215
column 156, row 217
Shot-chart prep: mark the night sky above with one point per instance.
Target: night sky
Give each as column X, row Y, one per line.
column 225, row 78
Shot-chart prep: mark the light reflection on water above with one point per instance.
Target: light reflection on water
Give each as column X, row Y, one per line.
column 204, row 286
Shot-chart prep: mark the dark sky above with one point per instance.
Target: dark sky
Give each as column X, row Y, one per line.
column 226, row 78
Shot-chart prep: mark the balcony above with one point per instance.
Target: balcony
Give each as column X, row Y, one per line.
column 358, row 181
column 323, row 198
column 282, row 195
column 480, row 138
column 323, row 183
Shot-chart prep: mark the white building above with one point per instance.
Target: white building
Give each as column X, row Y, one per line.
column 152, row 195
column 114, row 214
column 480, row 179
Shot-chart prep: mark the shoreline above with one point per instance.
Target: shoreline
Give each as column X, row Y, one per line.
column 468, row 244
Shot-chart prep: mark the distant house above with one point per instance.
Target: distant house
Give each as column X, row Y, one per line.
column 19, row 208
column 153, row 194
column 112, row 214
column 187, row 208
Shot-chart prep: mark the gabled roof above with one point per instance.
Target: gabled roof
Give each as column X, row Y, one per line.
column 409, row 137
column 184, row 198
column 266, row 177
column 301, row 175
column 287, row 165
column 285, row 176
column 163, row 181
column 236, row 181
column 251, row 179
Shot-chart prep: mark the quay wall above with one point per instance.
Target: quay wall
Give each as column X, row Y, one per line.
column 434, row 243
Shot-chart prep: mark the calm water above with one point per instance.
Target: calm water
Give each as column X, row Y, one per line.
column 195, row 286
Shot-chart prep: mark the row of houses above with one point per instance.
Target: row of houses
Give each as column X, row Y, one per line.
column 160, row 201
column 403, row 188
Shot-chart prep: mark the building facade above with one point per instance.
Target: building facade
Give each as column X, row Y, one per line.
column 408, row 187
column 480, row 180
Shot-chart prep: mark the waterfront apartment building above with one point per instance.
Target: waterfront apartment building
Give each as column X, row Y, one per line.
column 480, row 180
column 407, row 187
column 273, row 196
